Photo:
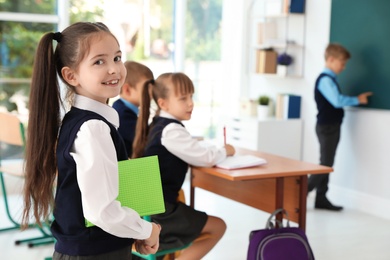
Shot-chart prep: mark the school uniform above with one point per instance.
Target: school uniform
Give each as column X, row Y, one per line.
column 128, row 115
column 330, row 103
column 176, row 149
column 89, row 148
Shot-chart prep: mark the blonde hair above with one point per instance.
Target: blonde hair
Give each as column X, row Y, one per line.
column 182, row 85
column 337, row 51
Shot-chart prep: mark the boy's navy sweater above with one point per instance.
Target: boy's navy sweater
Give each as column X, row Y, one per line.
column 327, row 113
column 172, row 169
column 127, row 123
column 68, row 227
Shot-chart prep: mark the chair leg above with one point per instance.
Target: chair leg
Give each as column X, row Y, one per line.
column 15, row 224
column 146, row 257
column 46, row 237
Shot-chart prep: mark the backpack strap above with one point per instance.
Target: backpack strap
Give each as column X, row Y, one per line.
column 271, row 225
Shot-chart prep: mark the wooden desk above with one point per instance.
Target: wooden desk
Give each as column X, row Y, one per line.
column 281, row 183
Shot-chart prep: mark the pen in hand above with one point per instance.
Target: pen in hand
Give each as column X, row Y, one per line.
column 224, row 135
column 229, row 148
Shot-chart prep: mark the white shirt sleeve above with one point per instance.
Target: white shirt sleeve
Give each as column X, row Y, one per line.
column 97, row 175
column 179, row 142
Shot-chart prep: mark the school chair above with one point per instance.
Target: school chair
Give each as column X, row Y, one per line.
column 12, row 135
column 170, row 254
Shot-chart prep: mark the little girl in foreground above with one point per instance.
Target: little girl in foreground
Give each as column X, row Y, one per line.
column 84, row 151
column 176, row 149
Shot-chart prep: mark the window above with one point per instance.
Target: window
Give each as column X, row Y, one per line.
column 29, row 6
column 157, row 40
column 149, row 31
column 203, row 64
column 22, row 24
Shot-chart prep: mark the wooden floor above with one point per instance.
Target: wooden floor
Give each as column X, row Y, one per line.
column 333, row 235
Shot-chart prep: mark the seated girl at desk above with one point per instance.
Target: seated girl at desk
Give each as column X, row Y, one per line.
column 168, row 138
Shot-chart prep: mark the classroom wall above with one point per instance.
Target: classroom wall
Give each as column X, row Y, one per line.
column 362, row 167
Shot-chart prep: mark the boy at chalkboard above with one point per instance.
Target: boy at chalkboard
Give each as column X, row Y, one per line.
column 330, row 103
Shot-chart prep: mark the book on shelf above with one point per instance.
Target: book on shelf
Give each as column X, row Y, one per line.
column 278, row 7
column 241, row 161
column 292, row 106
column 140, row 186
column 288, row 106
column 279, row 109
column 297, row 6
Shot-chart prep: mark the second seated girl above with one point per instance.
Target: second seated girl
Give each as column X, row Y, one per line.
column 167, row 137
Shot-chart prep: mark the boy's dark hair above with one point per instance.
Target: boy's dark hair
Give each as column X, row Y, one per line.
column 337, row 51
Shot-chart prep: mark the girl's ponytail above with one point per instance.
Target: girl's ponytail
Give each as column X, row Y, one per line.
column 43, row 125
column 142, row 127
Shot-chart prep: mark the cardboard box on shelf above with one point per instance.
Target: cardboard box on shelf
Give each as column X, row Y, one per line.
column 266, row 61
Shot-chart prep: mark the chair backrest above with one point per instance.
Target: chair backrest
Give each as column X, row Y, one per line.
column 11, row 129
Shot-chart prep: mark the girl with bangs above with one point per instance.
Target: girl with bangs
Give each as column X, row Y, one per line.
column 167, row 137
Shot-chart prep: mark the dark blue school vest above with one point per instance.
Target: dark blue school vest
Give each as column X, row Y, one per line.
column 327, row 113
column 128, row 121
column 173, row 170
column 73, row 238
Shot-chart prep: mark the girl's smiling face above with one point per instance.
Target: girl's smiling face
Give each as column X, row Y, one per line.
column 101, row 72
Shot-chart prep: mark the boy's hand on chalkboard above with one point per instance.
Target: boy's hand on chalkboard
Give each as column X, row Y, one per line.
column 363, row 98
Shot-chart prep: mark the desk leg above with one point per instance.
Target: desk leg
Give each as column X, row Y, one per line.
column 279, row 197
column 302, row 201
column 263, row 194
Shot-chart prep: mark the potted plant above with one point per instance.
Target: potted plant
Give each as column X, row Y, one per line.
column 284, row 60
column 263, row 107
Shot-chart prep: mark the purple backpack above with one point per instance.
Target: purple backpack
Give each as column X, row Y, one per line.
column 283, row 243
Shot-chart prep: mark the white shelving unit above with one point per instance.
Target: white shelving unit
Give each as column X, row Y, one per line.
column 272, row 26
column 276, row 136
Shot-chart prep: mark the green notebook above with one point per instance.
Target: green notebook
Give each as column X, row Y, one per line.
column 140, row 186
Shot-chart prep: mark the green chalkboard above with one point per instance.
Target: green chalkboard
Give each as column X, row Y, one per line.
column 363, row 27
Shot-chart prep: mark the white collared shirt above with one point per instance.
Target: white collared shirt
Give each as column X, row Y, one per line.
column 97, row 175
column 179, row 142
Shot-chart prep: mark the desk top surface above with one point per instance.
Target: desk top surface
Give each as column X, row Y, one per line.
column 277, row 166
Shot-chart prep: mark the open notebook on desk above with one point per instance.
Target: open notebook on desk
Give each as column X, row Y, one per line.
column 240, row 161
column 140, row 186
